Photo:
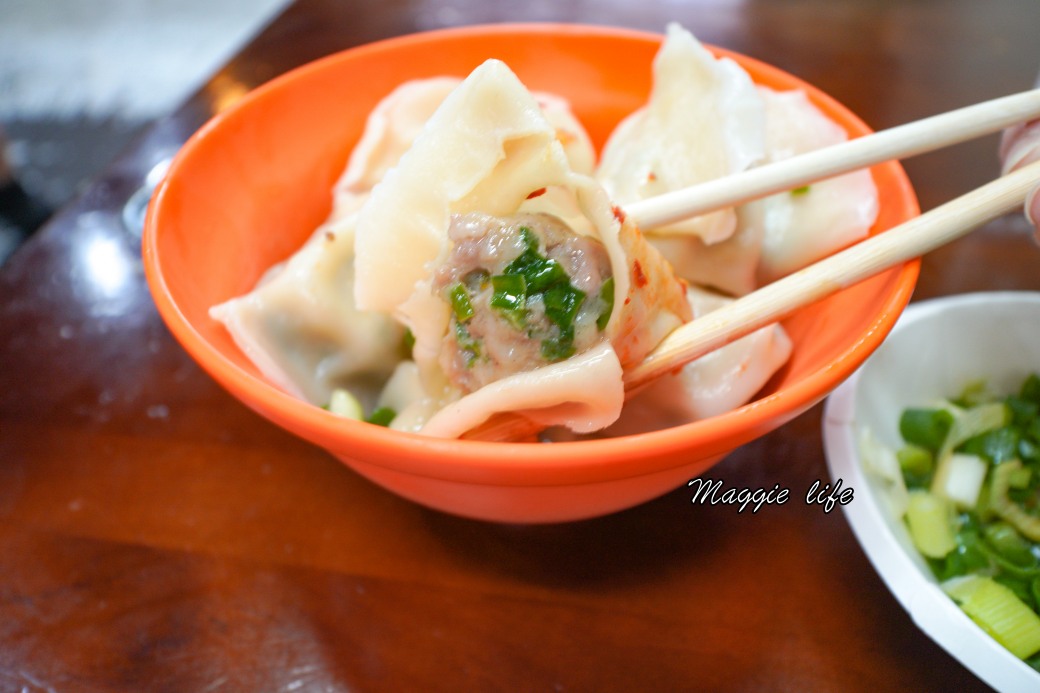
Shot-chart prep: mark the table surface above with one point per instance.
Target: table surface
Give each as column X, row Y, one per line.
column 156, row 535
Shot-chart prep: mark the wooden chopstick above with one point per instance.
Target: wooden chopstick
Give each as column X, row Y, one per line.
column 775, row 301
column 867, row 258
column 899, row 142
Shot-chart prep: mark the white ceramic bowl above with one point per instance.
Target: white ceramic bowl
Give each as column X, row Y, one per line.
column 936, row 348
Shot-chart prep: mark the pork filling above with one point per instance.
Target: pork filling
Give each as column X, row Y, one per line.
column 525, row 291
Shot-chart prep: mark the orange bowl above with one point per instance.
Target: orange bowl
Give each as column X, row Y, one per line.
column 248, row 189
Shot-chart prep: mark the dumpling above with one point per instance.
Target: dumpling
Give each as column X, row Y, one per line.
column 699, row 109
column 391, row 128
column 804, row 225
column 730, row 266
column 716, row 383
column 524, row 287
column 704, row 120
column 300, row 325
column 398, row 119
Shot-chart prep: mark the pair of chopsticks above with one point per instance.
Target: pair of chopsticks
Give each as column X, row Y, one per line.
column 865, row 259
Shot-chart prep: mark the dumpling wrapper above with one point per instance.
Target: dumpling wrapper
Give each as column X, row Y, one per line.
column 389, row 131
column 397, row 120
column 801, row 227
column 714, row 384
column 301, row 329
column 704, row 120
column 699, row 109
column 487, row 149
column 730, row 266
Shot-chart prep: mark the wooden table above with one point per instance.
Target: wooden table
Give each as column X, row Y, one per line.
column 157, row 536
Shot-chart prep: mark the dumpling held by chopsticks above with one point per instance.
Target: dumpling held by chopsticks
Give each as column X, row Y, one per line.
column 525, row 289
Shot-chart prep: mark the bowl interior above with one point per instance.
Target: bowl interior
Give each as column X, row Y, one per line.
column 249, row 188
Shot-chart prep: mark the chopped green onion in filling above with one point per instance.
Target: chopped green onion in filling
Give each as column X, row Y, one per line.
column 529, row 238
column 468, row 344
column 539, row 271
column 509, row 298
column 531, row 275
column 559, row 348
column 562, row 302
column 460, row 302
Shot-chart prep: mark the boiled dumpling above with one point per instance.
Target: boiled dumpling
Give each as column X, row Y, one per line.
column 524, row 287
column 704, row 120
column 300, row 325
column 398, row 119
column 807, row 224
column 390, row 129
column 301, row 329
column 716, row 383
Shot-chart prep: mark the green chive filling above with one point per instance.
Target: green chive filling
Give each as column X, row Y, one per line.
column 562, row 302
column 509, row 298
column 460, row 303
column 509, row 292
column 469, row 345
column 559, row 348
column 530, row 276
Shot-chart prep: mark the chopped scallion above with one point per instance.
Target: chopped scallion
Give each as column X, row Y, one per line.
column 381, row 416
column 926, row 428
column 930, row 520
column 343, row 403
column 468, row 344
column 959, row 479
column 1031, row 388
column 562, row 302
column 999, row 612
column 509, row 298
column 996, row 446
column 916, row 464
column 1025, row 522
column 509, row 292
column 559, row 348
column 1007, row 542
column 529, row 238
column 460, row 302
